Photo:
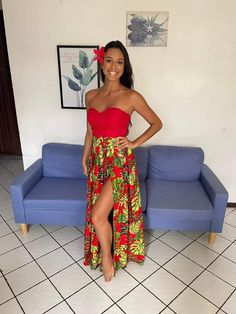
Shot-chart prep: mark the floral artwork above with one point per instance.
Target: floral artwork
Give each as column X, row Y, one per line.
column 147, row 29
column 78, row 73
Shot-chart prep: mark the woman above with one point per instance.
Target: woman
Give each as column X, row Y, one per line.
column 109, row 163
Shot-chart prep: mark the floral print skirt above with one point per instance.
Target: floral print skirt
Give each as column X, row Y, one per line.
column 106, row 161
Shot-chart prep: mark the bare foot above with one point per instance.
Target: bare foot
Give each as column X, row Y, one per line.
column 108, row 271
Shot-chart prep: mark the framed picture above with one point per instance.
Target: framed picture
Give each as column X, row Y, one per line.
column 78, row 73
column 147, row 29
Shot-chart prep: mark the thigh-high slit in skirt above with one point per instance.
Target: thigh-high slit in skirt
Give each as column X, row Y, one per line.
column 106, row 161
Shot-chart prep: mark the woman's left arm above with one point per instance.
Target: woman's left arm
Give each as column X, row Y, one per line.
column 140, row 105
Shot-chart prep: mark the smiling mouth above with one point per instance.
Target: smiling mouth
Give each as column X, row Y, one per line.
column 112, row 73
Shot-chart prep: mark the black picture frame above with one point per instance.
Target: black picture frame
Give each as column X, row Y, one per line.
column 78, row 73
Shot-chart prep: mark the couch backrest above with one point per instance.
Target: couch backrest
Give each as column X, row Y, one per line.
column 141, row 157
column 176, row 163
column 62, row 160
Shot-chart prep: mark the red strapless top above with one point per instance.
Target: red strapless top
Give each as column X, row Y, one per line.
column 112, row 122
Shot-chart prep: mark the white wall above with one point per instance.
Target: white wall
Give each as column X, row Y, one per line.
column 190, row 83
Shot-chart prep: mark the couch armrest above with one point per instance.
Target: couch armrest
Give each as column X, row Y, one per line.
column 217, row 195
column 21, row 186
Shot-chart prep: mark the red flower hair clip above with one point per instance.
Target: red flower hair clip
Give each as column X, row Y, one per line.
column 99, row 54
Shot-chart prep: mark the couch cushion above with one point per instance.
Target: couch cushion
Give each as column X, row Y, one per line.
column 58, row 194
column 178, row 200
column 141, row 157
column 62, row 160
column 175, row 163
column 64, row 194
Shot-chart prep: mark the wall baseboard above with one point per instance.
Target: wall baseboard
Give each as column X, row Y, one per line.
column 231, row 204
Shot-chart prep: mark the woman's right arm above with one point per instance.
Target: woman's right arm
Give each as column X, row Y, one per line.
column 88, row 139
column 87, row 148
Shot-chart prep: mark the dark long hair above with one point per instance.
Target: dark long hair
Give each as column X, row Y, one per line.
column 127, row 77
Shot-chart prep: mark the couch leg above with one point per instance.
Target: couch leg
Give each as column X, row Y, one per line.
column 211, row 237
column 24, row 229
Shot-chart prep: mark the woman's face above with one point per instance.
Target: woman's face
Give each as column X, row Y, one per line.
column 113, row 64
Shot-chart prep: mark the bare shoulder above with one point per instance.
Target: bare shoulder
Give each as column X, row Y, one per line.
column 141, row 106
column 90, row 95
column 136, row 99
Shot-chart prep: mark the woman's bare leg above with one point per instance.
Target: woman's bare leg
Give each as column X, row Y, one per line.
column 100, row 213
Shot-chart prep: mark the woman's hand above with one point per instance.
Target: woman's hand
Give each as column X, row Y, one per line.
column 124, row 142
column 85, row 169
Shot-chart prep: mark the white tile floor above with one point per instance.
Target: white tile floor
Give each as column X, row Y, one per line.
column 44, row 272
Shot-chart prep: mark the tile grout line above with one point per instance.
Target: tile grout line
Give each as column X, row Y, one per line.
column 204, row 269
column 24, row 245
column 168, row 308
column 11, row 292
column 219, row 235
column 179, row 252
column 115, row 302
column 6, row 221
column 9, row 170
column 140, row 284
column 225, row 258
column 227, row 299
column 126, row 271
column 111, row 307
column 47, row 278
column 188, row 285
column 93, row 280
column 229, row 224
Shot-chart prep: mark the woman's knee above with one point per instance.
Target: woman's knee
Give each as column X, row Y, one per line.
column 97, row 219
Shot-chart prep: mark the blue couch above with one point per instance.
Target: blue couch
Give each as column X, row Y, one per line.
column 178, row 191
